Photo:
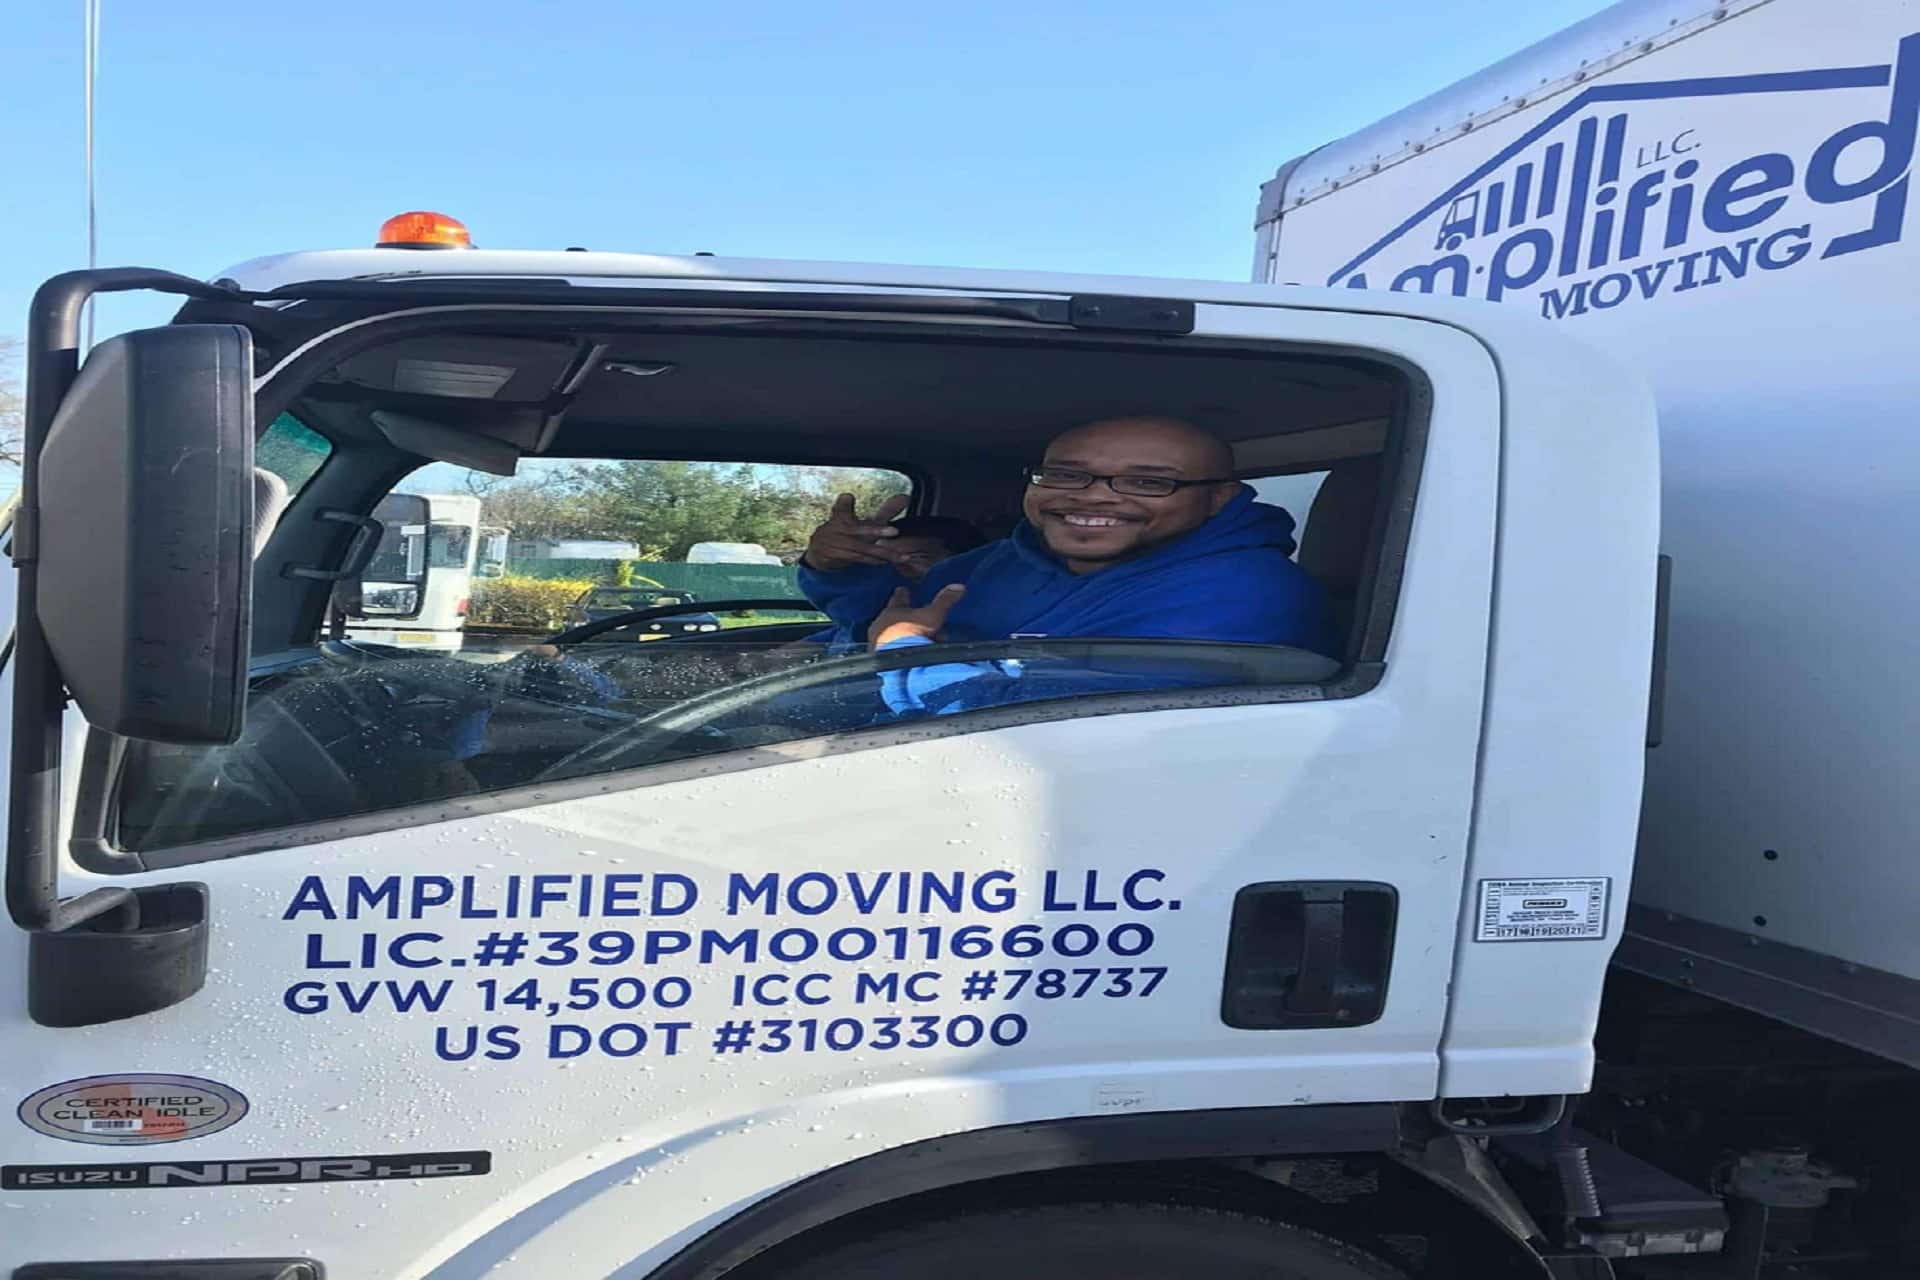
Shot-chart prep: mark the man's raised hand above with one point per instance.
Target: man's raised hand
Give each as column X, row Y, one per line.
column 846, row 540
column 900, row 620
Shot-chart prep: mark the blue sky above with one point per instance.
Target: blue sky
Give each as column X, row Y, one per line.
column 1121, row 137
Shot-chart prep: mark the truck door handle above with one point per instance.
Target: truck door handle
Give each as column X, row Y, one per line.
column 1309, row 953
column 1323, row 924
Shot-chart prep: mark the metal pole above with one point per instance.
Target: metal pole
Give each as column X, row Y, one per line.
column 91, row 59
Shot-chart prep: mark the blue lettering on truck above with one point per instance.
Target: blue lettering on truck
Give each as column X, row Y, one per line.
column 1586, row 214
column 812, row 961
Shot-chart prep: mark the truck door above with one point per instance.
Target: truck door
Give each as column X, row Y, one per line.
column 561, row 1026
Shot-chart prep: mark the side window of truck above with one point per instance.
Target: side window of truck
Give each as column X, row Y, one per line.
column 292, row 451
column 592, row 617
column 286, row 456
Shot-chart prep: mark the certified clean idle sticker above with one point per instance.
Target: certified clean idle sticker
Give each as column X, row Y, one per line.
column 1543, row 910
column 133, row 1109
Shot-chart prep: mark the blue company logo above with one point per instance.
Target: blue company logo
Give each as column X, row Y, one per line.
column 1572, row 209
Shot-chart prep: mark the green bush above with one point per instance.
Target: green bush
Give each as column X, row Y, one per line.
column 538, row 604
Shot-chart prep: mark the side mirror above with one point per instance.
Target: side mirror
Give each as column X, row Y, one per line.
column 394, row 583
column 145, row 496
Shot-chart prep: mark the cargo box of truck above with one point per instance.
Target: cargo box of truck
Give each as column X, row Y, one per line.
column 1718, row 195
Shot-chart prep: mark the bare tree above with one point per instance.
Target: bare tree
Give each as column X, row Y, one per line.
column 533, row 508
column 12, row 404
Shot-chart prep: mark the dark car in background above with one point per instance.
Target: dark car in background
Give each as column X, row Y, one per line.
column 611, row 602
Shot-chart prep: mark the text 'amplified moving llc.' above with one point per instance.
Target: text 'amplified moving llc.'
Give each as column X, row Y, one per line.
column 1635, row 203
column 559, row 954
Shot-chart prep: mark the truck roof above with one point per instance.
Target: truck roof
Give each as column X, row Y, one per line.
column 1557, row 65
column 591, row 269
column 598, row 267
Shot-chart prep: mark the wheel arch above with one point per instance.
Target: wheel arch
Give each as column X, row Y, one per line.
column 1016, row 1161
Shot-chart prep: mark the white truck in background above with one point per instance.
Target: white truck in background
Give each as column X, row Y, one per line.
column 1719, row 195
column 416, row 591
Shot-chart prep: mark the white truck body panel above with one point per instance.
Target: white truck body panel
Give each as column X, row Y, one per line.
column 604, row 1161
column 1717, row 195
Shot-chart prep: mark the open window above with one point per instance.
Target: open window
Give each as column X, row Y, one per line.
column 603, row 533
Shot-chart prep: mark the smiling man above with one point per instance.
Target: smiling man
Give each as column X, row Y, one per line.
column 1135, row 528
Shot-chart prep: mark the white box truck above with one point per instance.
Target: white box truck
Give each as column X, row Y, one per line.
column 328, row 958
column 417, row 589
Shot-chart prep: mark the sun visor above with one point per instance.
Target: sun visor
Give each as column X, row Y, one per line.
column 468, row 367
column 444, row 444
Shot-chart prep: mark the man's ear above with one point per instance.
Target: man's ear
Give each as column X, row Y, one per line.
column 1222, row 495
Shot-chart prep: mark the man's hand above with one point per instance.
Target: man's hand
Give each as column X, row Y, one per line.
column 846, row 540
column 900, row 619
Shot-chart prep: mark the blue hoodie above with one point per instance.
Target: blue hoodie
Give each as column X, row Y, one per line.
column 1230, row 579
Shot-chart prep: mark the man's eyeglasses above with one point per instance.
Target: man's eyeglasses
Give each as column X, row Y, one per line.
column 1044, row 477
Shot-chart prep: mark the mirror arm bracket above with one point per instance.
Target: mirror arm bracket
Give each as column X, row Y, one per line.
column 366, row 540
column 26, row 535
column 53, row 360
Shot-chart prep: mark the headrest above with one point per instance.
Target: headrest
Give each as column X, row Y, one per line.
column 1333, row 546
column 270, row 498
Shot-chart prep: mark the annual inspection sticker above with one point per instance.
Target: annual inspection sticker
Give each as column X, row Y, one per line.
column 1543, row 910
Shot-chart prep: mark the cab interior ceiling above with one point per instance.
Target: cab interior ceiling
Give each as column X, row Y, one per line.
column 841, row 398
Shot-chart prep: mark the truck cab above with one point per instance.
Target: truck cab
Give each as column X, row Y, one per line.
column 692, row 958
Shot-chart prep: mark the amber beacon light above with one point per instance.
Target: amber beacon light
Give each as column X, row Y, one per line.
column 421, row 229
